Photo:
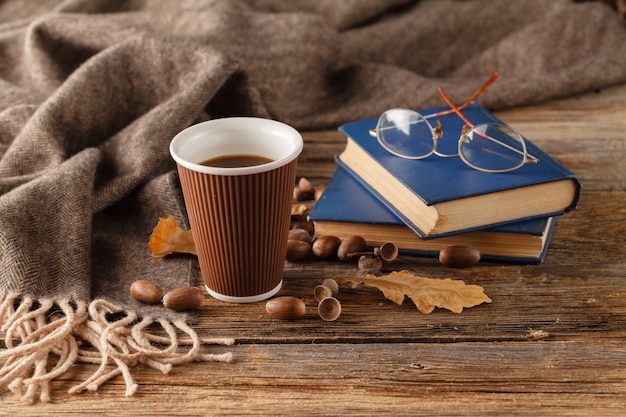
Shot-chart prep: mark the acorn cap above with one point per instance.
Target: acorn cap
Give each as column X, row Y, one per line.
column 332, row 284
column 370, row 264
column 329, row 309
column 388, row 252
column 322, row 291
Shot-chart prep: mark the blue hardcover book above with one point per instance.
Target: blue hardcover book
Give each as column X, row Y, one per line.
column 438, row 196
column 348, row 208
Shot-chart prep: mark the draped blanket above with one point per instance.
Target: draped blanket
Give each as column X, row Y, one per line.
column 92, row 92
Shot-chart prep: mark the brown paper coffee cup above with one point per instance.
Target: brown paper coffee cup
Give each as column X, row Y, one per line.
column 239, row 216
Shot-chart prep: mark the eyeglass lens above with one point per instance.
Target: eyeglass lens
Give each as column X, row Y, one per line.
column 405, row 133
column 493, row 147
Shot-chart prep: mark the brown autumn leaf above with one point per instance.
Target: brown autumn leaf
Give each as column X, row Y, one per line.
column 168, row 238
column 426, row 293
column 299, row 209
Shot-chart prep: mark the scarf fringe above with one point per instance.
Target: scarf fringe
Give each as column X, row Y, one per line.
column 43, row 339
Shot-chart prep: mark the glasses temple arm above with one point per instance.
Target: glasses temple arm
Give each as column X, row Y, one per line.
column 454, row 108
column 478, row 92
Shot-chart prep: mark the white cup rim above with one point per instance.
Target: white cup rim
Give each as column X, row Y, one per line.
column 293, row 143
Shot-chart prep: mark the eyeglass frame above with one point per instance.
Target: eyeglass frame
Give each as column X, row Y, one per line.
column 437, row 132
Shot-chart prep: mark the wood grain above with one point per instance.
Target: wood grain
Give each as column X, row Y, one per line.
column 552, row 342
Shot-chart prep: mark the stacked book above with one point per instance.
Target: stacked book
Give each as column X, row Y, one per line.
column 425, row 205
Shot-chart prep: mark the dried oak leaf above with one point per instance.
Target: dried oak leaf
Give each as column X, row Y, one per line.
column 426, row 293
column 168, row 238
column 299, row 210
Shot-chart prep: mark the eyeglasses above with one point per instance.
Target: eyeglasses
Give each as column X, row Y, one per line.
column 486, row 147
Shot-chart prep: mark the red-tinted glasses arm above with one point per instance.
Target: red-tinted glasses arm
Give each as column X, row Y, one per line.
column 478, row 92
column 454, row 108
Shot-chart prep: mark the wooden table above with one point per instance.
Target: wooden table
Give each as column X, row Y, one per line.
column 552, row 342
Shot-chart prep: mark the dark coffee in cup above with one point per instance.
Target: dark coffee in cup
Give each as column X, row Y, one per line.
column 236, row 161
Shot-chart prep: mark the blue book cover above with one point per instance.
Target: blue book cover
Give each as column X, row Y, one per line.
column 438, row 196
column 348, row 208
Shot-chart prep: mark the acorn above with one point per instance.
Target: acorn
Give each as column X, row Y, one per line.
column 370, row 264
column 146, row 291
column 298, row 195
column 326, row 246
column 285, row 308
column 351, row 244
column 303, row 224
column 183, row 299
column 297, row 250
column 299, row 234
column 306, row 187
column 319, row 190
column 459, row 256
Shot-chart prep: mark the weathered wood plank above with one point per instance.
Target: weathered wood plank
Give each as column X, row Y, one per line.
column 373, row 379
